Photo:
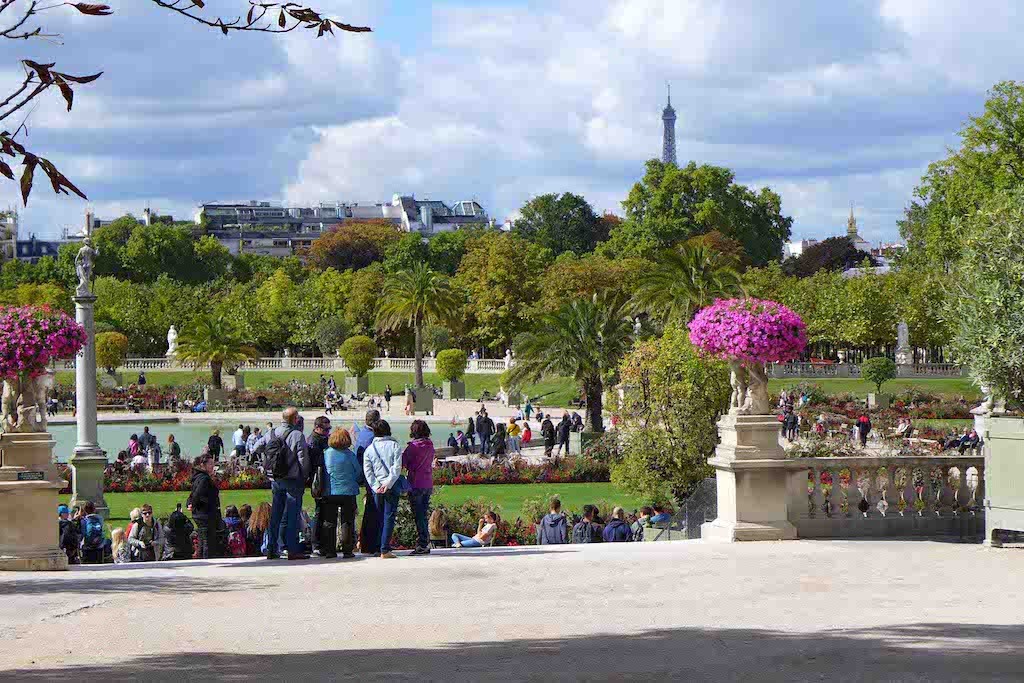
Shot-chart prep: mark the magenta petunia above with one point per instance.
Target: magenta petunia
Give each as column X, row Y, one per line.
column 32, row 337
column 749, row 331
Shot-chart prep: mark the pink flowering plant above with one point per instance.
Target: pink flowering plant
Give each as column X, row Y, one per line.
column 32, row 336
column 749, row 331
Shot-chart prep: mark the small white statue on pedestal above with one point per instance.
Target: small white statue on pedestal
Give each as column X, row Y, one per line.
column 904, row 353
column 172, row 342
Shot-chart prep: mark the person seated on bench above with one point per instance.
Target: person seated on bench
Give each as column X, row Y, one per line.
column 485, row 531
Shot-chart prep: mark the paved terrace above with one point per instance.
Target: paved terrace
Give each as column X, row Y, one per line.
column 793, row 611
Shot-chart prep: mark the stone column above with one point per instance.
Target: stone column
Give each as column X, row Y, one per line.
column 89, row 461
column 754, row 480
column 29, row 484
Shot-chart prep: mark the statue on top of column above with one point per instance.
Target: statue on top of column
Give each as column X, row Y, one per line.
column 84, row 262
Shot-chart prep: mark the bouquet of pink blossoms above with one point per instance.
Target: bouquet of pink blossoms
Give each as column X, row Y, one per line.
column 31, row 337
column 750, row 331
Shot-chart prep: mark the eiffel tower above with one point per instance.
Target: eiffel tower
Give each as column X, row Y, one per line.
column 668, row 144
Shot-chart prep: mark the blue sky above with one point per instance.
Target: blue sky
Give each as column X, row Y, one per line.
column 827, row 103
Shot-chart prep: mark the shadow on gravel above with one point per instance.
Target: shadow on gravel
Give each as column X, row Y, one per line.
column 113, row 582
column 915, row 652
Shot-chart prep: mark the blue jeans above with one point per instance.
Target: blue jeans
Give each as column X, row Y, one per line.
column 285, row 505
column 419, row 499
column 485, row 444
column 387, row 507
column 466, row 541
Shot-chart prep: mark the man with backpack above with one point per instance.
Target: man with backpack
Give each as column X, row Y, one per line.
column 316, row 446
column 485, row 428
column 70, row 535
column 286, row 461
column 586, row 530
column 92, row 535
column 178, row 536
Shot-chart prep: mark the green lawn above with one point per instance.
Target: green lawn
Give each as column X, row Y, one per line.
column 960, row 386
column 507, row 499
column 559, row 391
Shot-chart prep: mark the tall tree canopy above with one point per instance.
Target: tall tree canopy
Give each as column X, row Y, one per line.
column 671, row 204
column 561, row 223
column 990, row 159
column 356, row 244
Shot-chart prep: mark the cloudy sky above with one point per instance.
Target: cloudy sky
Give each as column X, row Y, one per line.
column 826, row 102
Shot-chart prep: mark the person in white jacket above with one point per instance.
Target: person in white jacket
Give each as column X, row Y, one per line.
column 382, row 466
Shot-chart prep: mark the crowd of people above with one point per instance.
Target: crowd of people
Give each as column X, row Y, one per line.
column 336, row 465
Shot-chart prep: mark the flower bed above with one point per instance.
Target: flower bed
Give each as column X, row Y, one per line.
column 120, row 478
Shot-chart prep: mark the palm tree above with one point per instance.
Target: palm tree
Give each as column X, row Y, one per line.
column 417, row 298
column 585, row 339
column 216, row 340
column 683, row 281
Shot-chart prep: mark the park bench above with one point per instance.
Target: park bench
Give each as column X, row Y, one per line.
column 119, row 406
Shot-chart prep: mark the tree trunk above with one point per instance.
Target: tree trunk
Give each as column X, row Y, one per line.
column 215, row 369
column 593, row 391
column 418, row 354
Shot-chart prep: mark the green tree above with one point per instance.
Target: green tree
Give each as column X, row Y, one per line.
column 111, row 350
column 990, row 159
column 109, row 241
column 878, row 371
column 672, row 400
column 276, row 300
column 364, row 299
column 684, row 280
column 155, row 249
column 561, row 223
column 500, row 277
column 987, row 309
column 672, row 204
column 585, row 340
column 213, row 339
column 46, row 294
column 576, row 277
column 330, row 334
column 416, row 298
column 358, row 353
column 405, row 253
column 211, row 259
column 446, row 249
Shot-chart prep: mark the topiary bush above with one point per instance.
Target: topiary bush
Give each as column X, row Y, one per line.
column 111, row 350
column 358, row 353
column 451, row 365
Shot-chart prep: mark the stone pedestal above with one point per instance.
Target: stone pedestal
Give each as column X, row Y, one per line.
column 29, row 484
column 357, row 385
column 453, row 391
column 753, row 478
column 88, row 461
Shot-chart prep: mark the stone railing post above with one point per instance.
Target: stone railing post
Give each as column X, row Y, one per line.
column 756, row 482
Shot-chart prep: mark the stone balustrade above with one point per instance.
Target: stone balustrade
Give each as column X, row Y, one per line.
column 888, row 496
column 316, row 364
column 805, row 370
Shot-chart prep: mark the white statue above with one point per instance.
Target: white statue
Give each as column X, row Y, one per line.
column 84, row 262
column 902, row 335
column 24, row 404
column 508, row 358
column 749, row 389
column 172, row 342
column 637, row 326
column 904, row 354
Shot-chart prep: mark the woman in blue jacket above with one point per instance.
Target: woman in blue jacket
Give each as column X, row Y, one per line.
column 342, row 485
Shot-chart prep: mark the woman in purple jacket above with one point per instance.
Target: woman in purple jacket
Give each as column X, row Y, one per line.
column 418, row 460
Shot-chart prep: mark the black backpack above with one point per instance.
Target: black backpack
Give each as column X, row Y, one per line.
column 275, row 455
